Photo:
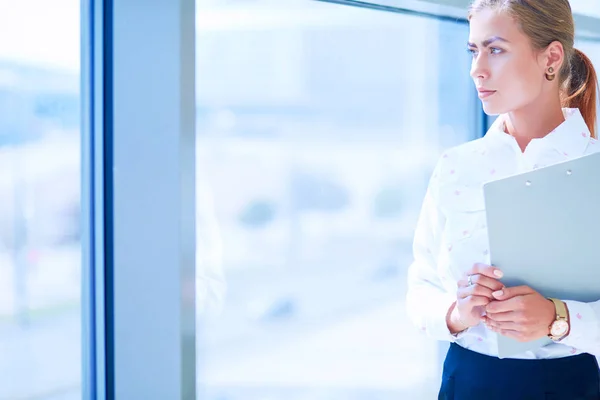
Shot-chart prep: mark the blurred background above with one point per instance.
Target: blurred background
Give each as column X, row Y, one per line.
column 317, row 128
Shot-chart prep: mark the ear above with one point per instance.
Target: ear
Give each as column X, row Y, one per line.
column 553, row 56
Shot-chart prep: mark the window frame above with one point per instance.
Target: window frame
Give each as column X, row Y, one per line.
column 140, row 346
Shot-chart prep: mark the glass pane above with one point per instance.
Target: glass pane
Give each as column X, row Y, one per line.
column 586, row 7
column 40, row 334
column 592, row 50
column 318, row 128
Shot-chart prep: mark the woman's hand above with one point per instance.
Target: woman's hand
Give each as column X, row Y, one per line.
column 520, row 313
column 474, row 293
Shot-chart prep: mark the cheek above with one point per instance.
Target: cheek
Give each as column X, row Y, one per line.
column 519, row 88
column 526, row 88
column 518, row 85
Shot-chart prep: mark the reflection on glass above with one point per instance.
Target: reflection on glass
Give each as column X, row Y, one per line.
column 40, row 334
column 318, row 126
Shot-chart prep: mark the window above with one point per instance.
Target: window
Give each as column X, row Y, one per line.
column 585, row 7
column 592, row 49
column 318, row 127
column 40, row 333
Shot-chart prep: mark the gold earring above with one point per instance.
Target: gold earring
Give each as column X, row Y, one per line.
column 550, row 75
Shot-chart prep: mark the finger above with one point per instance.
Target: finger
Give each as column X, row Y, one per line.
column 474, row 290
column 474, row 301
column 497, row 306
column 512, row 316
column 510, row 292
column 506, row 326
column 486, row 270
column 490, row 283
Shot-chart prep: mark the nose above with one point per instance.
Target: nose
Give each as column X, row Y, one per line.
column 479, row 68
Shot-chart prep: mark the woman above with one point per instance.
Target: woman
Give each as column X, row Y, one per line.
column 526, row 70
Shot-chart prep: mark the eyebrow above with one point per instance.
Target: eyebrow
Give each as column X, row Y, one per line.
column 489, row 41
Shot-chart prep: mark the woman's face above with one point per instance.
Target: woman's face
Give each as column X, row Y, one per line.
column 506, row 70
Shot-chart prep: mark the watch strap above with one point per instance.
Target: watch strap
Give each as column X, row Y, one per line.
column 562, row 314
column 561, row 309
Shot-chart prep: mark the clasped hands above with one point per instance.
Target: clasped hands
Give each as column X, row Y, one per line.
column 517, row 312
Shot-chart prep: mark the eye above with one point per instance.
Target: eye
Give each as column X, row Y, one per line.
column 472, row 51
column 495, row 50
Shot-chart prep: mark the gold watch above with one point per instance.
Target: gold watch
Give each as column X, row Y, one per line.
column 559, row 328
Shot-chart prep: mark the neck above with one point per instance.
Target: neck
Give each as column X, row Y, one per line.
column 534, row 121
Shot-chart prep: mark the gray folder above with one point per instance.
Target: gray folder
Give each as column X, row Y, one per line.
column 544, row 227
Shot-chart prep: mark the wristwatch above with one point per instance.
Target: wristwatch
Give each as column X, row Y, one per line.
column 560, row 327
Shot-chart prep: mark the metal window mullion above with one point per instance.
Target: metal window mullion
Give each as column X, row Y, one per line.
column 139, row 162
column 92, row 205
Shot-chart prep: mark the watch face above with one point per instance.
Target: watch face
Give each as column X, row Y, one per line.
column 559, row 328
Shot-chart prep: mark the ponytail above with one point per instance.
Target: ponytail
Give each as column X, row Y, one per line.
column 581, row 89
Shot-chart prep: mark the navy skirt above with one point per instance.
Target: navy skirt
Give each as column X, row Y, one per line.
column 472, row 376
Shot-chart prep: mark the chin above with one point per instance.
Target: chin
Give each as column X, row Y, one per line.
column 493, row 109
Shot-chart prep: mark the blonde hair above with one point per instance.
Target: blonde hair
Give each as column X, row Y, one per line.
column 546, row 21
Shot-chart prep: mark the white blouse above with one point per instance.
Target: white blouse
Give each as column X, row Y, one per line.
column 451, row 233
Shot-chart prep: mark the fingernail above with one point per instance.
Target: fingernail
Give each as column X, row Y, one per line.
column 498, row 273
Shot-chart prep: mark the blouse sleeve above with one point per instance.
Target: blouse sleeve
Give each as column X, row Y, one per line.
column 427, row 301
column 585, row 327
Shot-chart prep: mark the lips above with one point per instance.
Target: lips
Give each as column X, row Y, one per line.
column 484, row 93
